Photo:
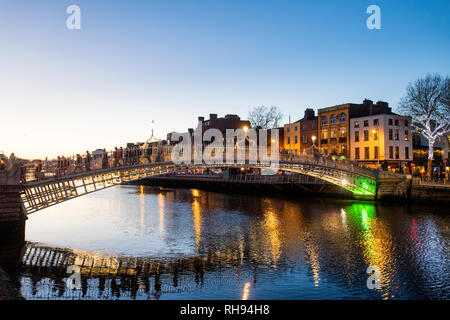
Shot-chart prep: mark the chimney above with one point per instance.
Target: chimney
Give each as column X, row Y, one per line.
column 367, row 102
column 212, row 116
column 382, row 104
column 309, row 114
column 201, row 119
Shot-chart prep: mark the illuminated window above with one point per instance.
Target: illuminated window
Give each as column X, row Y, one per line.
column 356, row 124
column 333, row 133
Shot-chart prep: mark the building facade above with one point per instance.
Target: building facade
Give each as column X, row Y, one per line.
column 298, row 135
column 308, row 131
column 333, row 127
column 291, row 137
column 334, row 124
column 383, row 139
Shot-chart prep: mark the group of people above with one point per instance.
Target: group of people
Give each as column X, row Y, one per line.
column 81, row 163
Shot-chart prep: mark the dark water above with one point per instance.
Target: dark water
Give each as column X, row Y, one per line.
column 150, row 243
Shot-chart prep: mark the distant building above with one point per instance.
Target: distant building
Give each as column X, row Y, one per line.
column 333, row 127
column 297, row 135
column 308, row 129
column 291, row 137
column 334, row 124
column 382, row 139
column 230, row 121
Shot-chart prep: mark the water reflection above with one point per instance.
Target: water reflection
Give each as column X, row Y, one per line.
column 192, row 244
column 197, row 217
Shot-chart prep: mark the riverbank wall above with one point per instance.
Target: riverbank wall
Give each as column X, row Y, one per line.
column 390, row 189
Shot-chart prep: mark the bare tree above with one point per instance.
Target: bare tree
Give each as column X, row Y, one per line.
column 266, row 118
column 427, row 102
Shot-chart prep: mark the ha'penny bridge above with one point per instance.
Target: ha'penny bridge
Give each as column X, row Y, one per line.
column 23, row 192
column 40, row 194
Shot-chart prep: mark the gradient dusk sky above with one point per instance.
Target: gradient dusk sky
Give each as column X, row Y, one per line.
column 67, row 91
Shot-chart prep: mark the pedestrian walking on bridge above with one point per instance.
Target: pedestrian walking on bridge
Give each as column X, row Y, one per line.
column 88, row 160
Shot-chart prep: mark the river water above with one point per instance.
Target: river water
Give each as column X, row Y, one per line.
column 135, row 242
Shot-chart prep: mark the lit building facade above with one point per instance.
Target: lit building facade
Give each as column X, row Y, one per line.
column 383, row 139
column 334, row 125
column 333, row 128
column 291, row 137
column 298, row 135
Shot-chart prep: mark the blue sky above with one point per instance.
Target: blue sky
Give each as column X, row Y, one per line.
column 63, row 91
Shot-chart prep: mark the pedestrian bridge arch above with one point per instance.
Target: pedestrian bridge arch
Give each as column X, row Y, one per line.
column 40, row 194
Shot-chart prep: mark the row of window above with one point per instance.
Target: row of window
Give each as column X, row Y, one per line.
column 304, row 139
column 396, row 121
column 366, row 123
column 333, row 119
column 394, row 153
column 366, row 135
column 333, row 133
column 304, row 127
column 393, row 135
column 376, row 122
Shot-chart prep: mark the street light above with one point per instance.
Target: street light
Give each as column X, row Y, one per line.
column 374, row 131
column 313, row 138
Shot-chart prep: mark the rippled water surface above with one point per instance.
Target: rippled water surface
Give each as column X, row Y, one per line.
column 133, row 242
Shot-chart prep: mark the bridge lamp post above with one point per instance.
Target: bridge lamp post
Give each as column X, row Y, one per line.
column 313, row 138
